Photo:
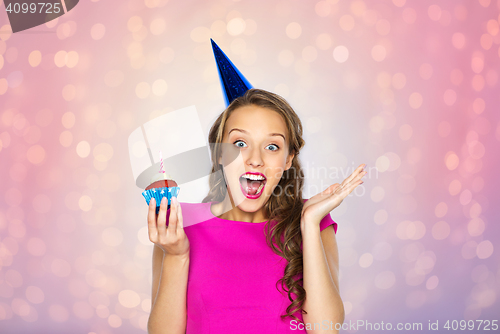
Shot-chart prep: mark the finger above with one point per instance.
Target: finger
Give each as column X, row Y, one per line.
column 348, row 188
column 162, row 217
column 354, row 174
column 353, row 186
column 331, row 189
column 172, row 218
column 180, row 222
column 153, row 231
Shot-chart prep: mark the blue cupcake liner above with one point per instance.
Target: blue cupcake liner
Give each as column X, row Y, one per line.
column 159, row 193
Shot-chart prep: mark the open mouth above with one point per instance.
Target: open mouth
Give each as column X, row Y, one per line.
column 252, row 184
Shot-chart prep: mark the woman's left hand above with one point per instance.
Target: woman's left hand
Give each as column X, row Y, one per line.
column 318, row 206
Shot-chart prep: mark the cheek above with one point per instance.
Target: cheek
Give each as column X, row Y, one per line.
column 231, row 159
column 274, row 175
column 229, row 153
column 232, row 171
column 277, row 165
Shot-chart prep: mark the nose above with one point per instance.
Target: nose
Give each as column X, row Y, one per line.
column 254, row 158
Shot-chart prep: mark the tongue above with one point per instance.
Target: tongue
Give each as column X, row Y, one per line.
column 249, row 186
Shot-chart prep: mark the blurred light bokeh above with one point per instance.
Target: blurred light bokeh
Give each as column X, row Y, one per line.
column 408, row 87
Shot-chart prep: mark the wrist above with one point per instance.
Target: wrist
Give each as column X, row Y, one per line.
column 176, row 257
column 307, row 226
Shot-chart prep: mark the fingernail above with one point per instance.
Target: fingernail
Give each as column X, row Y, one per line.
column 174, row 200
column 153, row 200
column 163, row 200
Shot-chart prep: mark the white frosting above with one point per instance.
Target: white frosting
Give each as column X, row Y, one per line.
column 160, row 176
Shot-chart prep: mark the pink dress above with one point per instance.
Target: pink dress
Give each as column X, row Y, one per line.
column 233, row 275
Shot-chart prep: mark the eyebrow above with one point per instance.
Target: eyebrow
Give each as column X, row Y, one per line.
column 241, row 130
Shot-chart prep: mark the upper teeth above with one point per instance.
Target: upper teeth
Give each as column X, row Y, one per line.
column 253, row 177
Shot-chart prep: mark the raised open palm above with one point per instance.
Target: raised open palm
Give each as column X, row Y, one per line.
column 321, row 204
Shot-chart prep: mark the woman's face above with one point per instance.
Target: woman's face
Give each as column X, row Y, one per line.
column 254, row 155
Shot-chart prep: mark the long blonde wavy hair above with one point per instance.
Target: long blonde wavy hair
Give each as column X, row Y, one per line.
column 284, row 209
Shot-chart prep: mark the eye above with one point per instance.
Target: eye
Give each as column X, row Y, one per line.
column 274, row 147
column 238, row 142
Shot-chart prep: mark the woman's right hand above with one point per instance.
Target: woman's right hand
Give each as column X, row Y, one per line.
column 172, row 239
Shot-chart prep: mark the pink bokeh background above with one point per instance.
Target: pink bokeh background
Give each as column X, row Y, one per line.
column 408, row 87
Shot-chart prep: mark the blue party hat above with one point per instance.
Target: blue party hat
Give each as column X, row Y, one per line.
column 233, row 83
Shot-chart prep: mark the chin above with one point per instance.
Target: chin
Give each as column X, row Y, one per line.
column 249, row 207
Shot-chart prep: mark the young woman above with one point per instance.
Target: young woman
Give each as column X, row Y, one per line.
column 254, row 256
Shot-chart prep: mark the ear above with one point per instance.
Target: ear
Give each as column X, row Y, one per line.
column 289, row 160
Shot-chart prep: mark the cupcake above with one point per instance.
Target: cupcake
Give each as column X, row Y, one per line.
column 161, row 185
column 161, row 180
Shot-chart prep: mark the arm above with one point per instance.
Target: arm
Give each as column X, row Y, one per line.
column 170, row 270
column 168, row 311
column 320, row 274
column 320, row 257
column 158, row 255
